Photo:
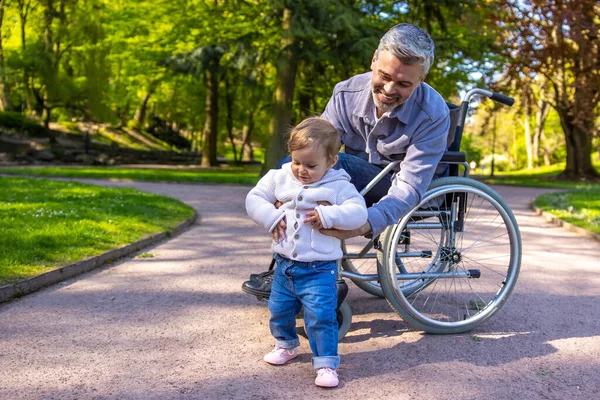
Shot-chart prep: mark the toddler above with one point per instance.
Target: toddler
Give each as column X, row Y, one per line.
column 294, row 203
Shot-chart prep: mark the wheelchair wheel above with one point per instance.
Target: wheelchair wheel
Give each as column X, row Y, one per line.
column 366, row 265
column 450, row 282
column 344, row 318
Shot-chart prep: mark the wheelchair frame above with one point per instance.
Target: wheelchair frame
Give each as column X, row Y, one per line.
column 456, row 275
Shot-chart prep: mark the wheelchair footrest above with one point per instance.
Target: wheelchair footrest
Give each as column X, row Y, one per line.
column 474, row 273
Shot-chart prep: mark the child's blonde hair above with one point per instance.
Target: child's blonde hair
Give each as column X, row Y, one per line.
column 318, row 132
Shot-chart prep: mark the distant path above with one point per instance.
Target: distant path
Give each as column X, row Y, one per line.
column 177, row 326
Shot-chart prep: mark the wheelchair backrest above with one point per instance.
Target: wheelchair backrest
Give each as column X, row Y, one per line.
column 458, row 114
column 456, row 124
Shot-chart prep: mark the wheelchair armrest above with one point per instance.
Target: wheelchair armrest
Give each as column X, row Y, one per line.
column 454, row 157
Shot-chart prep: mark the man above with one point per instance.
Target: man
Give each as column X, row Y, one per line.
column 382, row 113
column 386, row 112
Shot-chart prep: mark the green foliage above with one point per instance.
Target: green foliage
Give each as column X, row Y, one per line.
column 106, row 56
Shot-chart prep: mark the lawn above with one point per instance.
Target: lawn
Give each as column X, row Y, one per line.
column 46, row 224
column 230, row 175
column 579, row 204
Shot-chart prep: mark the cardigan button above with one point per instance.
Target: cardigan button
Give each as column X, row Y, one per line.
column 296, row 236
column 299, row 198
column 295, row 255
column 305, row 187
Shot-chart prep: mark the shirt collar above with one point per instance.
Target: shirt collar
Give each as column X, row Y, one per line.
column 366, row 107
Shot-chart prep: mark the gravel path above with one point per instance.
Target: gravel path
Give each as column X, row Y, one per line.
column 177, row 326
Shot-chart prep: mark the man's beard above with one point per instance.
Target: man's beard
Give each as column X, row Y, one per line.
column 385, row 107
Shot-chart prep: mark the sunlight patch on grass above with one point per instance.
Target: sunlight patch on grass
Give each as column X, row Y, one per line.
column 580, row 208
column 231, row 175
column 47, row 224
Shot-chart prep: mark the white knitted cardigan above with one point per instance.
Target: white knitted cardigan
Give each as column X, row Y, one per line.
column 347, row 211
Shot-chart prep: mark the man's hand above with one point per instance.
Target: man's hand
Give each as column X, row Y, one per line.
column 278, row 233
column 366, row 228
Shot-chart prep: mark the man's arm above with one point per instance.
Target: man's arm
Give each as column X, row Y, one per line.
column 415, row 175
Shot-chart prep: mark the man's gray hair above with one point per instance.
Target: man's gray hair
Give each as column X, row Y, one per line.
column 410, row 44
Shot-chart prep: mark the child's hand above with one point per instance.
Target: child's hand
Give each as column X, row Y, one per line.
column 314, row 219
column 278, row 233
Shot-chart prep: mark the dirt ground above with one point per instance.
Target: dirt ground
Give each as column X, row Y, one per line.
column 177, row 326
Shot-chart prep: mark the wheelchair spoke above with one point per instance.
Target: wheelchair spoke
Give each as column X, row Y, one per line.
column 476, row 243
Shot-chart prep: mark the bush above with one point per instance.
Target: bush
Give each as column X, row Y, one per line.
column 20, row 124
column 500, row 162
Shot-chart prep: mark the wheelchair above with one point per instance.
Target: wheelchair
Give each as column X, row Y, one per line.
column 449, row 264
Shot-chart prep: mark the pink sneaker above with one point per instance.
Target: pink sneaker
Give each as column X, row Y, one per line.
column 327, row 377
column 279, row 356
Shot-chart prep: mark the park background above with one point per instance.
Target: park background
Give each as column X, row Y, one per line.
column 209, row 89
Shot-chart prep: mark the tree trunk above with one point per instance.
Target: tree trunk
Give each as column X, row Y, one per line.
column 211, row 111
column 24, row 8
column 528, row 139
column 540, row 122
column 229, row 117
column 5, row 103
column 527, row 99
column 140, row 113
column 579, row 148
column 247, row 151
column 284, row 93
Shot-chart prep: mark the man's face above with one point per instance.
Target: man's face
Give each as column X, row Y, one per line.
column 392, row 82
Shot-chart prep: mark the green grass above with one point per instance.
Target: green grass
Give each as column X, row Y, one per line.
column 578, row 205
column 47, row 224
column 580, row 208
column 540, row 177
column 230, row 175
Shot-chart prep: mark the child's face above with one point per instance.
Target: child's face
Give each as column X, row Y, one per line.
column 309, row 164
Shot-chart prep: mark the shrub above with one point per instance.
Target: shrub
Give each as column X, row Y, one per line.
column 20, row 124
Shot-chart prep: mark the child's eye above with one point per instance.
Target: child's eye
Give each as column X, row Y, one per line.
column 311, row 166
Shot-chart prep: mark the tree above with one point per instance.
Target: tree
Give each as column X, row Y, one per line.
column 309, row 31
column 560, row 40
column 5, row 103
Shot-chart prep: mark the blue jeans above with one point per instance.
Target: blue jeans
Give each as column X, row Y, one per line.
column 361, row 173
column 312, row 285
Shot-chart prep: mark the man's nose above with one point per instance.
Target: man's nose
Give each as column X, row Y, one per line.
column 390, row 88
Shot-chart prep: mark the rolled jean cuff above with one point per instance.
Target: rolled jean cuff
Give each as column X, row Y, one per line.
column 287, row 344
column 326, row 362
